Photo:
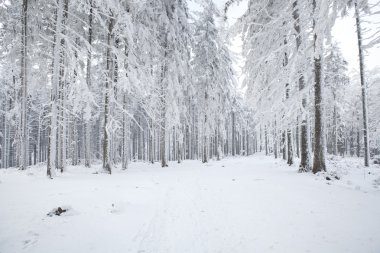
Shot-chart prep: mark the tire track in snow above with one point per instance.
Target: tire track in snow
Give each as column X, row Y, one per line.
column 175, row 226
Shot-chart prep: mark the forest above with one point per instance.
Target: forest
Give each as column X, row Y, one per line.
column 114, row 88
column 152, row 82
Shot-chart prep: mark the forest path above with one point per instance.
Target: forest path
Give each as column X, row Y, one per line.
column 245, row 204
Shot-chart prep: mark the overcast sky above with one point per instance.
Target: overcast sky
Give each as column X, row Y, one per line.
column 344, row 33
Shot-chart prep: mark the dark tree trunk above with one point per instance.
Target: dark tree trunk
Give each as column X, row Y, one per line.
column 275, row 149
column 233, row 140
column 297, row 140
column 109, row 70
column 304, row 152
column 57, row 53
column 290, row 148
column 24, row 89
column 124, row 151
column 163, row 129
column 358, row 143
column 283, row 145
column 266, row 141
column 87, row 151
column 319, row 163
column 151, row 143
column 363, row 87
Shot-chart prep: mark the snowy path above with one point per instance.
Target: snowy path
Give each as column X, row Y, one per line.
column 253, row 204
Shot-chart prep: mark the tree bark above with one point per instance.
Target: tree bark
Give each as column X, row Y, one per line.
column 290, row 148
column 124, row 158
column 87, row 148
column 319, row 162
column 304, row 152
column 24, row 89
column 358, row 143
column 51, row 163
column 266, row 140
column 275, row 149
column 61, row 95
column 109, row 69
column 363, row 87
column 283, row 145
column 233, row 140
column 163, row 123
column 335, row 135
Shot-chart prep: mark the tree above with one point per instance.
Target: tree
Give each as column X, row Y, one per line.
column 320, row 11
column 335, row 81
column 108, row 80
column 213, row 80
column 56, row 76
column 119, row 85
column 88, row 81
column 24, row 88
column 363, row 85
column 304, row 146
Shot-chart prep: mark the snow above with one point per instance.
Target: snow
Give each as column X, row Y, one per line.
column 245, row 204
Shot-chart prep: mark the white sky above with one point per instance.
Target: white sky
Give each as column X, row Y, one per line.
column 344, row 33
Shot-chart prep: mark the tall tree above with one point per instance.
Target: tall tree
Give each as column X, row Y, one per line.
column 304, row 147
column 88, row 81
column 56, row 76
column 320, row 9
column 363, row 84
column 24, row 88
column 108, row 80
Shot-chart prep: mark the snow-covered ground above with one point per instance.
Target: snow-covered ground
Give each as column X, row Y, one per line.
column 246, row 204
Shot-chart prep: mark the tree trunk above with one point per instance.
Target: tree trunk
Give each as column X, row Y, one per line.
column 74, row 145
column 233, row 135
column 62, row 96
column 247, row 141
column 352, row 150
column 51, row 163
column 266, row 140
column 297, row 139
column 163, row 124
column 4, row 147
column 358, row 143
column 163, row 127
column 319, row 162
column 204, row 138
column 275, row 149
column 363, row 87
column 304, row 146
column 124, row 155
column 283, row 145
column 87, row 147
column 290, row 148
column 335, row 135
column 179, row 143
column 24, row 89
column 151, row 142
column 109, row 70
column 261, row 139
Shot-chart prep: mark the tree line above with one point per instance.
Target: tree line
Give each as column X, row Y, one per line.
column 115, row 81
column 304, row 102
column 118, row 81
